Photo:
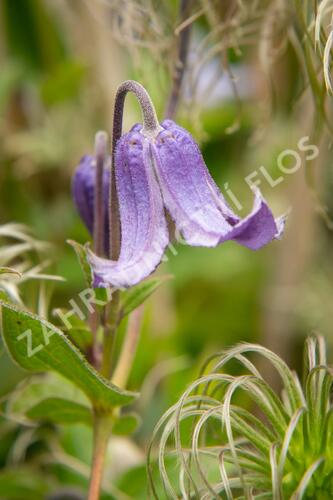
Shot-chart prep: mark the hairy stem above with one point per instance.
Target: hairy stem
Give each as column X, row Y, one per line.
column 150, row 122
column 150, row 128
column 181, row 59
column 125, row 362
column 110, row 319
column 102, row 431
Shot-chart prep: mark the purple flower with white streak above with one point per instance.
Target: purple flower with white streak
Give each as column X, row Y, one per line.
column 166, row 171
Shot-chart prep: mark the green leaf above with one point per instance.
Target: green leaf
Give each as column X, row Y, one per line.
column 101, row 294
column 81, row 337
column 11, row 374
column 60, row 411
column 134, row 481
column 78, row 330
column 16, row 484
column 126, row 424
column 63, row 411
column 37, row 345
column 39, row 387
column 137, row 295
column 81, row 254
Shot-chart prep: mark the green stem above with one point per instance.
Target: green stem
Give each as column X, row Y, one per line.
column 110, row 330
column 102, row 432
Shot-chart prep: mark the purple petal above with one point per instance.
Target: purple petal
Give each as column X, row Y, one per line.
column 258, row 228
column 83, row 191
column 144, row 235
column 192, row 153
column 191, row 196
column 186, row 193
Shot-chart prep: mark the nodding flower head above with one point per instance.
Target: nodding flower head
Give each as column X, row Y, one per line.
column 168, row 172
column 159, row 168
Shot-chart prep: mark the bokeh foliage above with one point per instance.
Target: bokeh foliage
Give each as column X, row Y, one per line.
column 60, row 64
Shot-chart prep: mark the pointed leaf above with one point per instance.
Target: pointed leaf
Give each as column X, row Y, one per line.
column 78, row 330
column 39, row 387
column 60, row 411
column 81, row 254
column 11, row 374
column 37, row 345
column 137, row 295
column 82, row 338
column 126, row 424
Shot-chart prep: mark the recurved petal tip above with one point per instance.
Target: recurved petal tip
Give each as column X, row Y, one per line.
column 259, row 227
column 195, row 203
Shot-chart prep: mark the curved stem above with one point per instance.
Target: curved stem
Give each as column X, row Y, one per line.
column 150, row 122
column 102, row 431
column 151, row 128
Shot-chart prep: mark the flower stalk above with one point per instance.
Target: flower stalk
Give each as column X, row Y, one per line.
column 102, row 432
column 150, row 121
column 110, row 315
column 150, row 128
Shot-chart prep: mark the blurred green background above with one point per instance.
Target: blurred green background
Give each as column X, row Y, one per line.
column 61, row 62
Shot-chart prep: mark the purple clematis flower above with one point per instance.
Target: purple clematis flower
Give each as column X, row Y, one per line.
column 83, row 191
column 167, row 171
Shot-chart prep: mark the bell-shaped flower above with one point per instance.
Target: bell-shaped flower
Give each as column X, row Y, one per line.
column 83, row 192
column 166, row 171
column 144, row 233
